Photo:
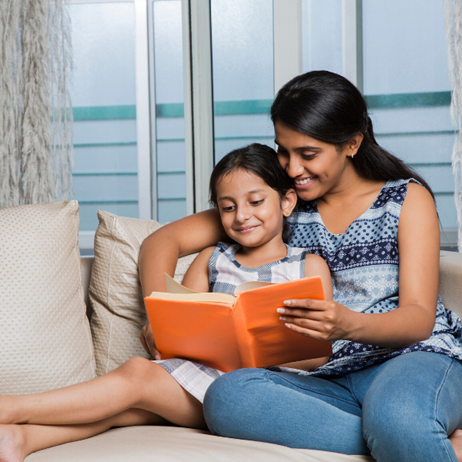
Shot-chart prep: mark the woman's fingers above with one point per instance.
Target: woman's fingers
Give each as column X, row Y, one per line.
column 319, row 319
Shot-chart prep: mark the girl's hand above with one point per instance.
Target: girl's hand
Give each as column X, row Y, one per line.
column 318, row 319
column 147, row 340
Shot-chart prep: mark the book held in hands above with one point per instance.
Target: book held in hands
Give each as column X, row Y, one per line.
column 229, row 332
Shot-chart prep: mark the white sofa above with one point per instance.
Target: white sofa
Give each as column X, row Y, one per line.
column 108, row 284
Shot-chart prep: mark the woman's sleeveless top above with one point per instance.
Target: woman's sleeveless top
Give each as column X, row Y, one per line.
column 364, row 264
column 225, row 273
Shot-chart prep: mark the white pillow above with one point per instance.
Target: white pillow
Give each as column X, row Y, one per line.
column 115, row 291
column 44, row 331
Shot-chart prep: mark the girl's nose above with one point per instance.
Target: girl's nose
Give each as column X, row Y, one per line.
column 242, row 214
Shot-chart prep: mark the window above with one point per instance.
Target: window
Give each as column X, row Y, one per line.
column 164, row 88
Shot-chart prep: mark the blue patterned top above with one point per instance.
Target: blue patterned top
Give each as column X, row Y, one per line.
column 225, row 273
column 364, row 263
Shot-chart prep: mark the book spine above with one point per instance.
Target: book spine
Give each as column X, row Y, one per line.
column 244, row 339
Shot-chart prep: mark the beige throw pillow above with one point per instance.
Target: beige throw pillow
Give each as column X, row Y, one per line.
column 44, row 331
column 115, row 291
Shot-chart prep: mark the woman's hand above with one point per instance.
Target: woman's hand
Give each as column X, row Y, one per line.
column 318, row 319
column 147, row 340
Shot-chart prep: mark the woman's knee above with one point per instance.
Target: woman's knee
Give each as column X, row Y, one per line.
column 228, row 397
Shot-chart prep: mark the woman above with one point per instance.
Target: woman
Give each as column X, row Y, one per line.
column 391, row 387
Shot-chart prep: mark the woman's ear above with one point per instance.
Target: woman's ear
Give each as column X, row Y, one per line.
column 289, row 202
column 353, row 145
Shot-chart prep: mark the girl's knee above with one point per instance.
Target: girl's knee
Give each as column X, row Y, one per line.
column 135, row 368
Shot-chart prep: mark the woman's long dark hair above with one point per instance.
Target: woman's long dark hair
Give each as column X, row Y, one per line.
column 260, row 160
column 328, row 107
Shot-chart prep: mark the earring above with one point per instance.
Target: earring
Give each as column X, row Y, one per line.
column 352, row 155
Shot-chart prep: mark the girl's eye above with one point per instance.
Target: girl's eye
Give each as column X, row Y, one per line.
column 230, row 208
column 257, row 202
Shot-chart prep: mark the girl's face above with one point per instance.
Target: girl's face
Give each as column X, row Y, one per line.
column 316, row 167
column 251, row 212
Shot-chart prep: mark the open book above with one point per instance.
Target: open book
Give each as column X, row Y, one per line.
column 228, row 332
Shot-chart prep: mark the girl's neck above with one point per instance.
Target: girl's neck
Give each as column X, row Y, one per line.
column 253, row 257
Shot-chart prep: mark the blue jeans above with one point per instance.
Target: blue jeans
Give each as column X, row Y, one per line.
column 400, row 410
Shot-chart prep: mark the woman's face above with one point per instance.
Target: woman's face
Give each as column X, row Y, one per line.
column 317, row 168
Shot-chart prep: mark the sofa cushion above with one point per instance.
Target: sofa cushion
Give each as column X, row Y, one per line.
column 118, row 313
column 44, row 334
column 175, row 444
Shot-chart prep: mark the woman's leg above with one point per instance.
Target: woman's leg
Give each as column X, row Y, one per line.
column 18, row 441
column 139, row 383
column 412, row 406
column 288, row 409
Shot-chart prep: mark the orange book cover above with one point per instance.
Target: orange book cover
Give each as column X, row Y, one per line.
column 229, row 332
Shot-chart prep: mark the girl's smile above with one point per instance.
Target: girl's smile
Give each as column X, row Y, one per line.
column 252, row 213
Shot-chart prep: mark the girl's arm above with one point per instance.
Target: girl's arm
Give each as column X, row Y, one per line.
column 160, row 251
column 197, row 276
column 317, row 266
column 413, row 321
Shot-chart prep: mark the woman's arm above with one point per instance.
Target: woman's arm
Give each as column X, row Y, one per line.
column 160, row 251
column 413, row 321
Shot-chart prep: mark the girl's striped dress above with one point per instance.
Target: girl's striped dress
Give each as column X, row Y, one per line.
column 225, row 274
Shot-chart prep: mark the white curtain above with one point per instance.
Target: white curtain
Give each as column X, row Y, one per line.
column 35, row 111
column 453, row 22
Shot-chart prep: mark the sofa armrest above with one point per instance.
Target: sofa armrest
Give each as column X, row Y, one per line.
column 86, row 263
column 451, row 281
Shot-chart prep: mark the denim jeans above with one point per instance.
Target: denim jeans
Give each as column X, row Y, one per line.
column 400, row 410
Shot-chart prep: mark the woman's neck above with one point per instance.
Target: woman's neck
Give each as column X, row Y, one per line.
column 252, row 257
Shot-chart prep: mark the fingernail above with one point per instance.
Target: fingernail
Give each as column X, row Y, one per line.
column 287, row 325
column 287, row 302
column 282, row 318
column 281, row 310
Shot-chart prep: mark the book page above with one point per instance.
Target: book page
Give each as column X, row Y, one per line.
column 175, row 287
column 176, row 291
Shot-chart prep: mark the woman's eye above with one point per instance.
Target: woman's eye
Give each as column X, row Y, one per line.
column 308, row 156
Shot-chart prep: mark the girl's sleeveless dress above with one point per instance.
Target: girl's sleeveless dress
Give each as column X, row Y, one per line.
column 364, row 267
column 225, row 274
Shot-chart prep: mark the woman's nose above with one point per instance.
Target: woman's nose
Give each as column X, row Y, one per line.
column 294, row 168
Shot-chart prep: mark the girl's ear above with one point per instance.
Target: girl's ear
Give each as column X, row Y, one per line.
column 289, row 202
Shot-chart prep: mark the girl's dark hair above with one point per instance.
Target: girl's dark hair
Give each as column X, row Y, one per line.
column 328, row 107
column 260, row 160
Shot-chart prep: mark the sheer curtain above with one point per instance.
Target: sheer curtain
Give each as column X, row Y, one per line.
column 35, row 114
column 453, row 21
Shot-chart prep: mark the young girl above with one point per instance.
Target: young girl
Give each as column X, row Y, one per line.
column 253, row 195
column 392, row 386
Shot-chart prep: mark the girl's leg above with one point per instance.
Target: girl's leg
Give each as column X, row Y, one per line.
column 411, row 408
column 139, row 383
column 18, row 441
column 288, row 409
